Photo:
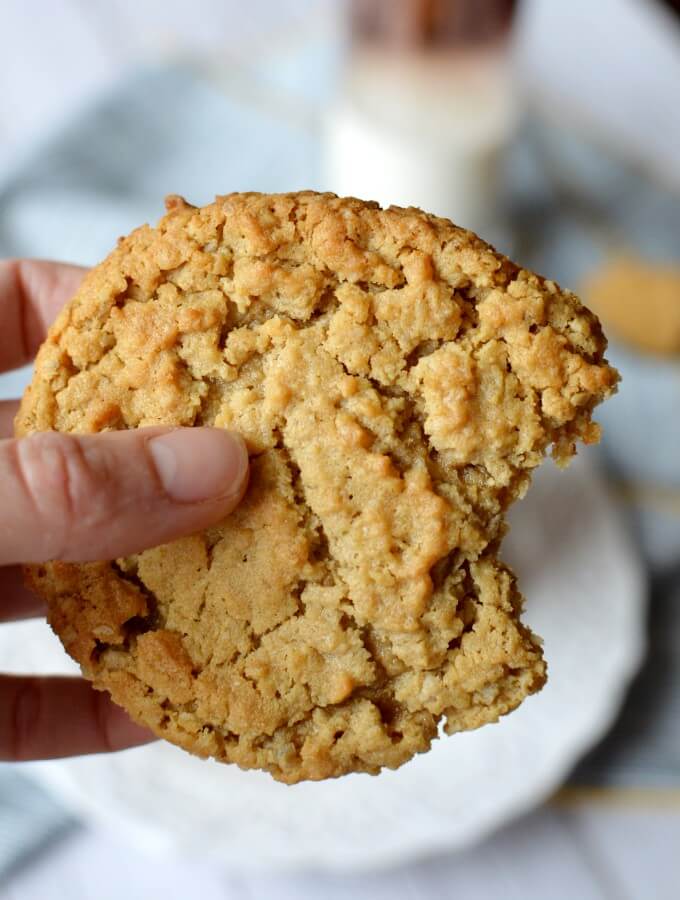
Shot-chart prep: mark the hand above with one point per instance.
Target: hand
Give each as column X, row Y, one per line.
column 79, row 498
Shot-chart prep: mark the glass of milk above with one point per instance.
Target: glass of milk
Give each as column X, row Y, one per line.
column 426, row 109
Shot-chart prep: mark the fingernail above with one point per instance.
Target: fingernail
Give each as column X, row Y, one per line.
column 197, row 464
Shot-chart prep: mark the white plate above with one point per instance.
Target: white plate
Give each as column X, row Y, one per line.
column 586, row 597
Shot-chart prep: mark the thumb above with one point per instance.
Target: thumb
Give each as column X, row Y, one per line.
column 82, row 498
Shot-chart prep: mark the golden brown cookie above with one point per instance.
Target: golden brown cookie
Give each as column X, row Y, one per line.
column 396, row 381
column 639, row 301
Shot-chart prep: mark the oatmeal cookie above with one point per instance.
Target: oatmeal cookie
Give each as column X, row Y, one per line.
column 396, row 380
column 639, row 302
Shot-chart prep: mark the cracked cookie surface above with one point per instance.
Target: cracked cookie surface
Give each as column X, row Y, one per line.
column 396, row 381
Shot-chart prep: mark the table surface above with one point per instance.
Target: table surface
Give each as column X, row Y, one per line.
column 586, row 845
column 577, row 848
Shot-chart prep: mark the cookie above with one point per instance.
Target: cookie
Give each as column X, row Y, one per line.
column 396, row 380
column 639, row 301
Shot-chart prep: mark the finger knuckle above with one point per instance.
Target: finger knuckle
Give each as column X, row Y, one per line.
column 24, row 716
column 60, row 485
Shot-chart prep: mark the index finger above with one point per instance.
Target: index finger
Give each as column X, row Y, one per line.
column 18, row 602
column 32, row 292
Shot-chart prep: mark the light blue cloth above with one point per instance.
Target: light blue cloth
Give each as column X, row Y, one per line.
column 29, row 820
column 167, row 131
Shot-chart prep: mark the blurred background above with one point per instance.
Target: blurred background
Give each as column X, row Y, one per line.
column 552, row 128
